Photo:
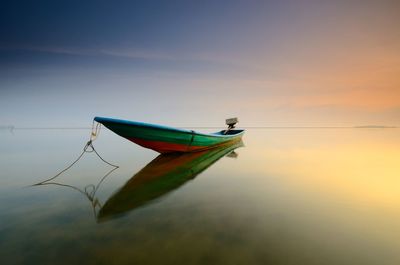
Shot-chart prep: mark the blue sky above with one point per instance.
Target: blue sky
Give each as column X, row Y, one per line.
column 268, row 62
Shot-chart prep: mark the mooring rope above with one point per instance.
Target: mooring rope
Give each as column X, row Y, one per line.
column 90, row 190
column 93, row 136
column 95, row 131
column 90, row 194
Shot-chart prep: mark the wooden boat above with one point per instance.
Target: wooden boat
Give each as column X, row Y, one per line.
column 165, row 139
column 164, row 174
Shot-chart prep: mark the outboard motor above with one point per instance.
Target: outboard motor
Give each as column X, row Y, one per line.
column 231, row 122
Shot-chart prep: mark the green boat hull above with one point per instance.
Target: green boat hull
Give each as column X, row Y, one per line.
column 165, row 139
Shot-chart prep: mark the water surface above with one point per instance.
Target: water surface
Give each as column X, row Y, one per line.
column 289, row 196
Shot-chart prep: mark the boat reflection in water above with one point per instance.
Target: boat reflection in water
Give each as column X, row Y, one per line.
column 164, row 174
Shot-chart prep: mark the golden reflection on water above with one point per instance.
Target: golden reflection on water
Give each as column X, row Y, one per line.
column 348, row 180
column 357, row 164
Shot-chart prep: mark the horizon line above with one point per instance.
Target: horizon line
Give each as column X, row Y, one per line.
column 11, row 127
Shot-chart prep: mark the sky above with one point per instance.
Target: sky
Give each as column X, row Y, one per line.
column 195, row 63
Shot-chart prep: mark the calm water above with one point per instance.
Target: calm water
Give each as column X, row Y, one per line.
column 289, row 196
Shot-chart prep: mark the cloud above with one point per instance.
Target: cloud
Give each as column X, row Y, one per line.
column 131, row 53
column 118, row 52
column 125, row 53
column 223, row 61
column 138, row 54
column 47, row 49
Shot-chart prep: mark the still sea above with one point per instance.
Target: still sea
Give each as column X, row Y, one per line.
column 283, row 196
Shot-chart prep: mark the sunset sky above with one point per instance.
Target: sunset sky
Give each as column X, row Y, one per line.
column 195, row 63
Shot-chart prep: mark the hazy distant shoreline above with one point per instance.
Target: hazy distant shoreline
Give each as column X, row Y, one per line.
column 12, row 127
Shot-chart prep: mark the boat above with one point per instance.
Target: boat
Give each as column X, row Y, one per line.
column 164, row 139
column 165, row 173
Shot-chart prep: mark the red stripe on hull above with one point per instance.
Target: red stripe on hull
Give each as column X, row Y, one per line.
column 165, row 147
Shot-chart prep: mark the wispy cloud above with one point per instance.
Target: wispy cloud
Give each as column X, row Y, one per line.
column 125, row 53
column 224, row 60
column 129, row 53
column 48, row 49
column 138, row 54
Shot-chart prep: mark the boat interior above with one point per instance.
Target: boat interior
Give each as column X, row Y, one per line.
column 229, row 132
